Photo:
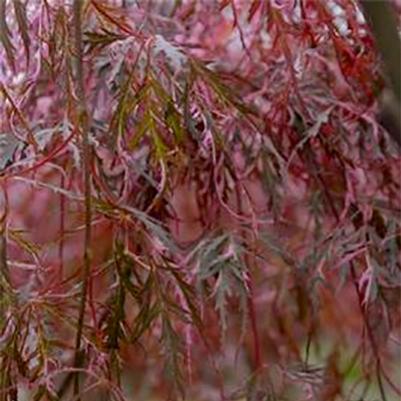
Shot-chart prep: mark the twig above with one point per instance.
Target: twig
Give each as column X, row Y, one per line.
column 84, row 126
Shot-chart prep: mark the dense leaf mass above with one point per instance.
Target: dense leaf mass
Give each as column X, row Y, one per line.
column 196, row 191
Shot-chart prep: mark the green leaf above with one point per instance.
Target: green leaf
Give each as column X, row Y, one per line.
column 220, row 258
column 190, row 297
column 160, row 146
column 144, row 320
column 223, row 92
column 159, row 91
column 148, row 312
column 173, row 121
column 101, row 39
column 173, row 346
column 134, row 290
column 117, row 315
column 126, row 105
column 140, row 130
column 156, row 229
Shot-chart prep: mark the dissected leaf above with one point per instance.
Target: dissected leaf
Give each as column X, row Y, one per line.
column 101, row 39
column 174, row 55
column 22, row 21
column 5, row 35
column 9, row 144
column 173, row 120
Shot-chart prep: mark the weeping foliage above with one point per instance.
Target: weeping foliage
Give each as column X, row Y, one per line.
column 196, row 192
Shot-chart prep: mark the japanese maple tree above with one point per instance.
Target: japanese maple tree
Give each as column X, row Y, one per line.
column 200, row 199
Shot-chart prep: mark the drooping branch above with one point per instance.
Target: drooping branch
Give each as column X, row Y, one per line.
column 83, row 122
column 4, row 270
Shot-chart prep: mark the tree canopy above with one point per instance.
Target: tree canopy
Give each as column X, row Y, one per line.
column 202, row 192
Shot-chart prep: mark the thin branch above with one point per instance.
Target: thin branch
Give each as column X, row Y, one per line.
column 4, row 271
column 84, row 127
